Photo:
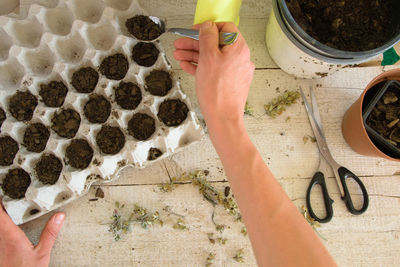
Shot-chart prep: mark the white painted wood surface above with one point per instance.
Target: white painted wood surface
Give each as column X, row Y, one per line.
column 372, row 239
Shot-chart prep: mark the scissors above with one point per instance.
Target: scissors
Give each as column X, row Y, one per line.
column 326, row 161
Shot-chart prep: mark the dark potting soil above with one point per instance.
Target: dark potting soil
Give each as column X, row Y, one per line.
column 53, row 94
column 85, row 80
column 346, row 24
column 16, row 183
column 143, row 28
column 36, row 137
column 8, row 150
column 66, row 123
column 79, row 154
column 145, row 54
column 48, row 169
column 110, row 140
column 172, row 112
column 127, row 95
column 114, row 67
column 141, row 126
column 158, row 83
column 97, row 109
column 154, row 153
column 2, row 116
column 22, row 105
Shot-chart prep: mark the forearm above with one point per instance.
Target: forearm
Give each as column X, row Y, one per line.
column 279, row 234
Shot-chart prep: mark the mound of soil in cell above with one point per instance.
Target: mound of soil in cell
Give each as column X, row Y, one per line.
column 79, row 154
column 127, row 95
column 347, row 25
column 97, row 109
column 22, row 105
column 154, row 153
column 145, row 54
column 36, row 137
column 85, row 80
column 172, row 112
column 8, row 150
column 53, row 94
column 48, row 169
column 110, row 140
column 66, row 123
column 114, row 67
column 141, row 126
column 2, row 116
column 143, row 28
column 16, row 183
column 158, row 82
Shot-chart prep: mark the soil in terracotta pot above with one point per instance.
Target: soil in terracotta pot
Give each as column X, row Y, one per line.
column 48, row 169
column 53, row 94
column 141, row 126
column 145, row 54
column 2, row 116
column 385, row 116
column 16, row 183
column 85, row 80
column 154, row 153
column 97, row 109
column 143, row 28
column 172, row 112
column 110, row 140
column 66, row 123
column 36, row 137
column 79, row 154
column 22, row 105
column 114, row 67
column 345, row 24
column 8, row 150
column 127, row 95
column 158, row 82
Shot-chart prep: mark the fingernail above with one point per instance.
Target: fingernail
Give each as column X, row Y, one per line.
column 59, row 218
column 206, row 25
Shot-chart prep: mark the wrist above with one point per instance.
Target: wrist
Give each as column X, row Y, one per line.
column 225, row 127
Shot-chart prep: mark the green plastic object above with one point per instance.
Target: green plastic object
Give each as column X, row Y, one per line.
column 390, row 57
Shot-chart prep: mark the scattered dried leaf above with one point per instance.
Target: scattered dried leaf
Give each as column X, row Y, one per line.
column 180, row 224
column 248, row 110
column 210, row 259
column 239, row 256
column 278, row 105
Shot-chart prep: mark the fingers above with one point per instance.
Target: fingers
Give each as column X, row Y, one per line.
column 186, row 44
column 188, row 67
column 186, row 55
column 208, row 37
column 50, row 233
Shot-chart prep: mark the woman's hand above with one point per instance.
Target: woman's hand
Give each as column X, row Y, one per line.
column 223, row 74
column 17, row 250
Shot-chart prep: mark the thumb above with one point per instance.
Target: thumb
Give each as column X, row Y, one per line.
column 208, row 37
column 50, row 233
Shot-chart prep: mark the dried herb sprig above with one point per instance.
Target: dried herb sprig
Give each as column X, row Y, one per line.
column 239, row 256
column 180, row 224
column 210, row 259
column 145, row 218
column 248, row 110
column 244, row 230
column 278, row 105
column 118, row 225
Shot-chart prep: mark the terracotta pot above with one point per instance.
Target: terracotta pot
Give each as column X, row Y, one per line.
column 353, row 128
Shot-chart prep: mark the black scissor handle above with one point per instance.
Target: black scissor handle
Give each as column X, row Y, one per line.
column 345, row 174
column 319, row 178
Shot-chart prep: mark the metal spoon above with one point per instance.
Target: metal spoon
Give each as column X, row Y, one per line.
column 225, row 38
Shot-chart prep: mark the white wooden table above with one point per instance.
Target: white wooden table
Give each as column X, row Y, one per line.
column 372, row 239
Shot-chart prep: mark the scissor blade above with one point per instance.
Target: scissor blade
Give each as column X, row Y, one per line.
column 315, row 110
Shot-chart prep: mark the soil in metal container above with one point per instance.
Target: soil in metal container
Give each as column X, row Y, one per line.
column 8, row 150
column 143, row 28
column 154, row 153
column 145, row 54
column 48, row 169
column 22, row 105
column 66, row 123
column 141, row 126
column 110, row 140
column 16, row 183
column 114, row 67
column 36, row 137
column 85, row 80
column 79, row 154
column 172, row 112
column 97, row 109
column 127, row 95
column 158, row 83
column 53, row 94
column 345, row 24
